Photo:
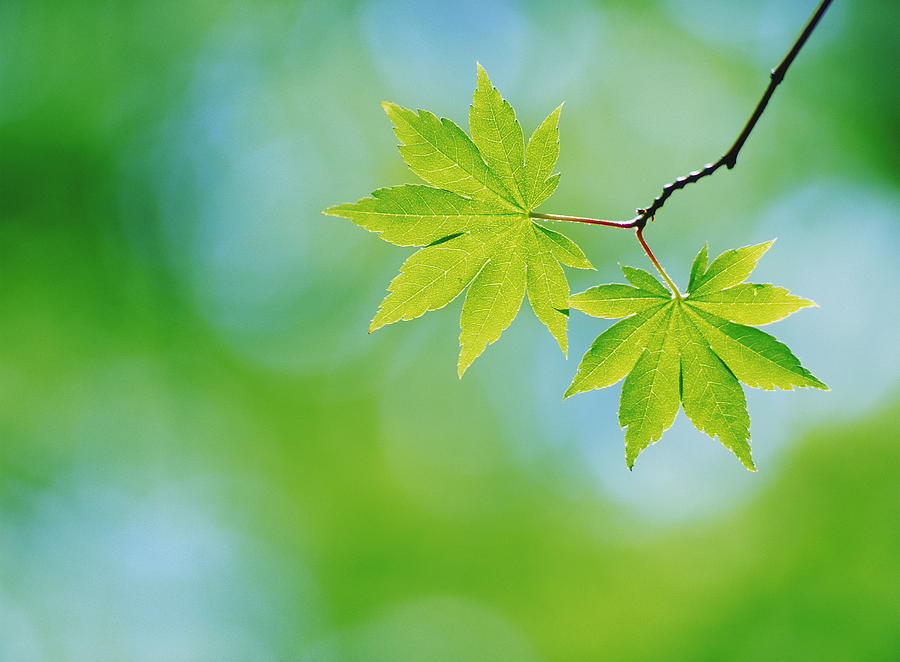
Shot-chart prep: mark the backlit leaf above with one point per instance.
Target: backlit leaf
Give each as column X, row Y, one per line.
column 692, row 349
column 473, row 222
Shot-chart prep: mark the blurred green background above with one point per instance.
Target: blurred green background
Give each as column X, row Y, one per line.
column 203, row 455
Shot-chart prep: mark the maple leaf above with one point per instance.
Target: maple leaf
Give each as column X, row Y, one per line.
column 473, row 222
column 690, row 350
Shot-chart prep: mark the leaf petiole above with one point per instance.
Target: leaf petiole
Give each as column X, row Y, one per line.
column 659, row 267
column 582, row 219
column 625, row 225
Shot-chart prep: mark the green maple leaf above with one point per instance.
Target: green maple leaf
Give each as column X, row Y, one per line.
column 691, row 350
column 473, row 222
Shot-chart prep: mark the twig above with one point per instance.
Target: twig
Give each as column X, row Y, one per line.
column 729, row 159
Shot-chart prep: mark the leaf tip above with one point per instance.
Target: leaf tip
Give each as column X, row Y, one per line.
column 806, row 303
column 819, row 384
column 464, row 362
column 390, row 108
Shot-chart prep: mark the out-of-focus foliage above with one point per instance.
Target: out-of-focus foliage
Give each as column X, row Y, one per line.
column 203, row 455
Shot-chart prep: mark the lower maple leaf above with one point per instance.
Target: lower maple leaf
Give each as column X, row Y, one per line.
column 690, row 350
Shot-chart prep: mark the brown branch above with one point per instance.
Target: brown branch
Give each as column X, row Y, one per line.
column 729, row 159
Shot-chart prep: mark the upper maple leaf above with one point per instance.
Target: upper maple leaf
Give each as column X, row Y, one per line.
column 690, row 350
column 473, row 221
